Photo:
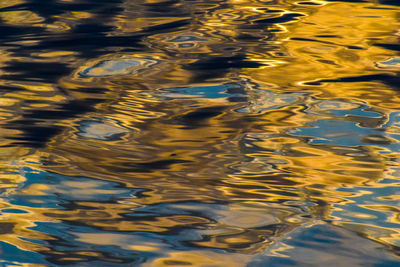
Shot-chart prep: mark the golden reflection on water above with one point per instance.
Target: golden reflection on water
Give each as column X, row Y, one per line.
column 235, row 169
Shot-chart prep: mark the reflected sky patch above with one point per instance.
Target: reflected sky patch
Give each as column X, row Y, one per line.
column 231, row 91
column 100, row 130
column 49, row 190
column 117, row 66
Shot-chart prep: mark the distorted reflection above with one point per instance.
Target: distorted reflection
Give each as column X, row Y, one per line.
column 201, row 133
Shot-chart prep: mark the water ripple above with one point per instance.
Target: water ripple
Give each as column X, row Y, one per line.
column 202, row 133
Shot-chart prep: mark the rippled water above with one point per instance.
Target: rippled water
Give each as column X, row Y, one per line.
column 200, row 133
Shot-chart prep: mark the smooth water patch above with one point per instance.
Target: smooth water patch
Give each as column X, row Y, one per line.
column 50, row 190
column 325, row 245
column 391, row 63
column 100, row 130
column 122, row 65
column 233, row 92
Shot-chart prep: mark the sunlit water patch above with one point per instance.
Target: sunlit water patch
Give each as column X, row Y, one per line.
column 218, row 133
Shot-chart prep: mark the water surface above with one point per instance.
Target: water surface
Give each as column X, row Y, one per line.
column 199, row 133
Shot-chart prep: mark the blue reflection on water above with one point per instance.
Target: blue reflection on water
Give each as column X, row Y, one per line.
column 335, row 132
column 211, row 91
column 351, row 127
column 62, row 188
column 13, row 256
column 325, row 245
column 377, row 202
